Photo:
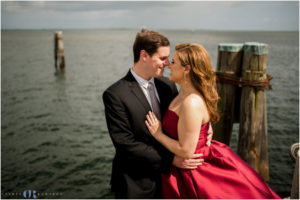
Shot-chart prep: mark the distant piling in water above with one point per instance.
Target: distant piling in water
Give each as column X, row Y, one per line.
column 241, row 83
column 59, row 57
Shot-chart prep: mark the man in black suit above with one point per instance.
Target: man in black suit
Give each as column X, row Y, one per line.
column 139, row 158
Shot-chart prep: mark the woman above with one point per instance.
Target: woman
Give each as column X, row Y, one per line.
column 223, row 173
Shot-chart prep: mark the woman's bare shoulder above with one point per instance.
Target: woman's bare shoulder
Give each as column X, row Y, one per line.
column 193, row 102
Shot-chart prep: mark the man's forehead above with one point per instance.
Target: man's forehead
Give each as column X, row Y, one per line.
column 163, row 51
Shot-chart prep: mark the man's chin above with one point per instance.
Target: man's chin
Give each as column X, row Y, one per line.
column 160, row 74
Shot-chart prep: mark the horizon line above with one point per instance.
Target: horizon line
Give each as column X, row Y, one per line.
column 173, row 29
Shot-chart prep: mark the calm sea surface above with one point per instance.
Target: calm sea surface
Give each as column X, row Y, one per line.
column 54, row 138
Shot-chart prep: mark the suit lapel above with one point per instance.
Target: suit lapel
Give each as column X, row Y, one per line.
column 137, row 91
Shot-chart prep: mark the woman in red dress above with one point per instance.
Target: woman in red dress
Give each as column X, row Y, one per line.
column 223, row 175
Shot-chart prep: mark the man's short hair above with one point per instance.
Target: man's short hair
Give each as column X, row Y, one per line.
column 149, row 41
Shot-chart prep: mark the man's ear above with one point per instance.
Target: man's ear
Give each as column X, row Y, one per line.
column 143, row 55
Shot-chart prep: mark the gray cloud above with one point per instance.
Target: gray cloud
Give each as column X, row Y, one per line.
column 229, row 15
column 81, row 6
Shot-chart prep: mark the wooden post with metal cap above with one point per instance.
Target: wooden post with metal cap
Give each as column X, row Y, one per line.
column 253, row 131
column 229, row 62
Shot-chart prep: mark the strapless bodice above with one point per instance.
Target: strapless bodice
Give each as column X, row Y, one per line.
column 170, row 124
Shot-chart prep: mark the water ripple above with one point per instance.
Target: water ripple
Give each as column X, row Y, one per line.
column 38, row 159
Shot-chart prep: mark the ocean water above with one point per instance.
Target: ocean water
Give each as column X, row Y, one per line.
column 54, row 137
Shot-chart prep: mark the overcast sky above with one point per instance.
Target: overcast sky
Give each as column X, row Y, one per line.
column 224, row 15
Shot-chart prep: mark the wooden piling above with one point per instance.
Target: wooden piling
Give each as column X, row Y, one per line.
column 253, row 140
column 59, row 57
column 229, row 62
column 295, row 184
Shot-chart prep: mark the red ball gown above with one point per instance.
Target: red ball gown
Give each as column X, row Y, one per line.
column 223, row 175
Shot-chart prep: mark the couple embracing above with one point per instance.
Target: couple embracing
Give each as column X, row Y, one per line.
column 162, row 137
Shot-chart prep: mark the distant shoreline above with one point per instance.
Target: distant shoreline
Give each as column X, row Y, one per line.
column 137, row 29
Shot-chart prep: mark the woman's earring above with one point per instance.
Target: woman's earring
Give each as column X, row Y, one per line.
column 184, row 78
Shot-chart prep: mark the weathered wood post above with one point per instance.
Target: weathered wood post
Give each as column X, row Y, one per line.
column 295, row 184
column 253, row 140
column 59, row 56
column 229, row 64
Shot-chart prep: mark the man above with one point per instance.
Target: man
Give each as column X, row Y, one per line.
column 139, row 158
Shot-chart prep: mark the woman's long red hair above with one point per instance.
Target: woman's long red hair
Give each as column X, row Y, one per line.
column 202, row 74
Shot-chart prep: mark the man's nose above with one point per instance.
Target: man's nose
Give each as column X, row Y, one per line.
column 167, row 62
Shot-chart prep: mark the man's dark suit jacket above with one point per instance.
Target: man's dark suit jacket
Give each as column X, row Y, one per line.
column 139, row 158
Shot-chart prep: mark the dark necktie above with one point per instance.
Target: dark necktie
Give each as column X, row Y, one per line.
column 154, row 101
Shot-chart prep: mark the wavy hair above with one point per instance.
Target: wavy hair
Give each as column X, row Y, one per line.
column 202, row 75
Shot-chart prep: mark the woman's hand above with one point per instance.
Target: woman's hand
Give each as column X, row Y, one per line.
column 153, row 124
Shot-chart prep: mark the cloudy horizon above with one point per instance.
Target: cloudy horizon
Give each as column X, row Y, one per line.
column 195, row 15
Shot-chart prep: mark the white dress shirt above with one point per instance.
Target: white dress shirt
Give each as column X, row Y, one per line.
column 144, row 86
